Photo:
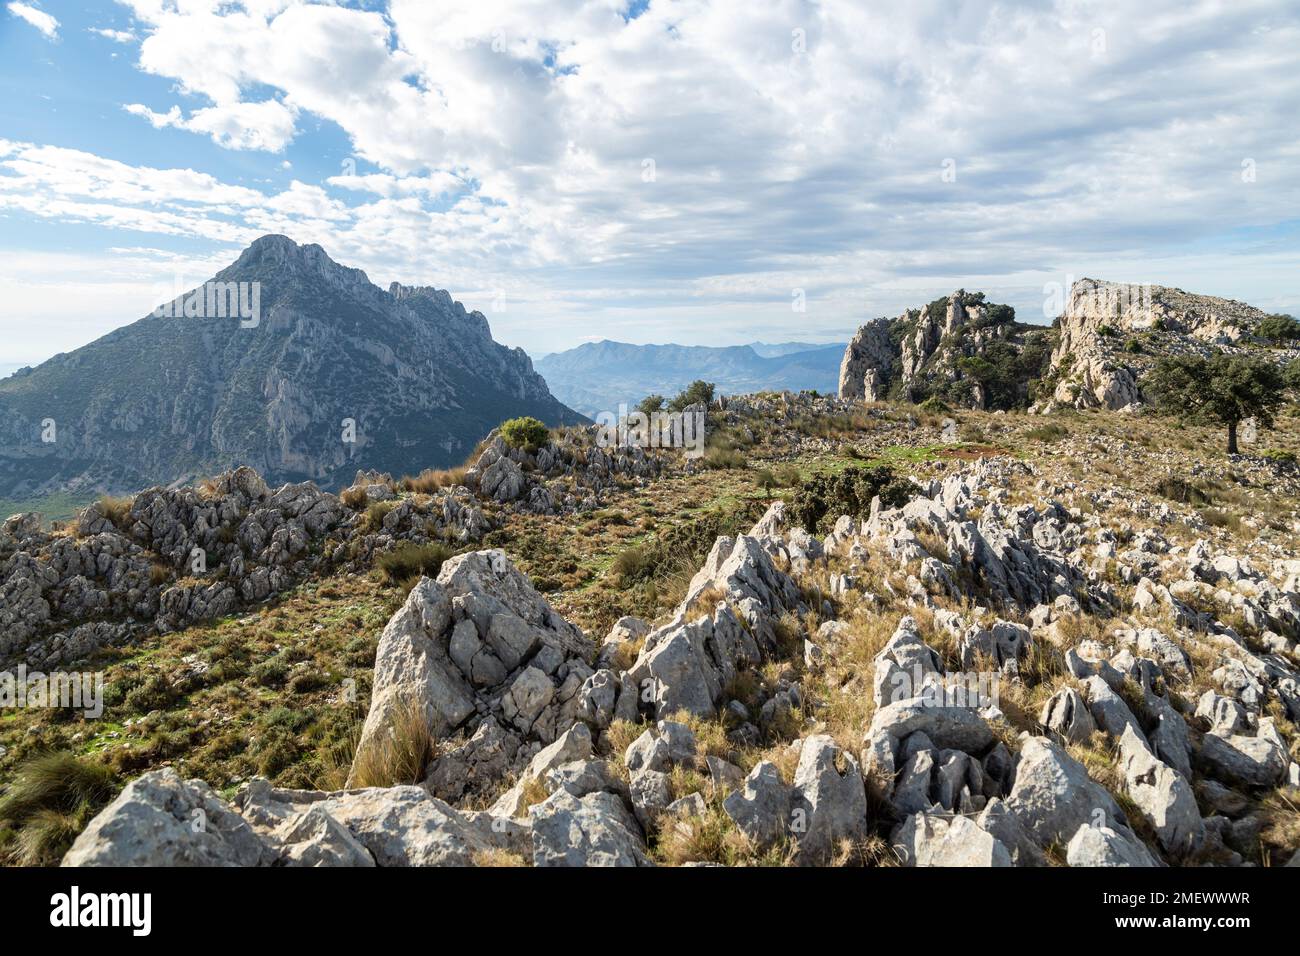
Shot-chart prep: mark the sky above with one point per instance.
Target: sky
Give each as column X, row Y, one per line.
column 706, row 173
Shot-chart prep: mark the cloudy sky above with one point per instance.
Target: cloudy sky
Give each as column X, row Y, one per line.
column 647, row 171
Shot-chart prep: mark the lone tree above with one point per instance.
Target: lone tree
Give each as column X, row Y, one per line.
column 1220, row 390
column 698, row 391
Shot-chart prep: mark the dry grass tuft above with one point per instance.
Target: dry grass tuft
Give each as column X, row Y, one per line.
column 399, row 756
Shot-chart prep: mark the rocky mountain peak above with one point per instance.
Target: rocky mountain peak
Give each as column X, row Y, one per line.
column 1112, row 333
column 949, row 349
column 334, row 373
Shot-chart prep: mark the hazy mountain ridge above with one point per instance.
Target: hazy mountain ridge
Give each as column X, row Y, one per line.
column 598, row 376
column 165, row 399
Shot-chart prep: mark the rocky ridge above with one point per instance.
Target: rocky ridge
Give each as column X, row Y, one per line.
column 171, row 556
column 971, row 354
column 1186, row 680
column 950, row 350
column 1111, row 334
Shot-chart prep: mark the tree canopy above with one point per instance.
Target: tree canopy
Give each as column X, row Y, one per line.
column 1221, row 390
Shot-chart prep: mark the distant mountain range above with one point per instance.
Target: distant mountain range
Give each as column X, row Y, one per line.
column 410, row 375
column 599, row 376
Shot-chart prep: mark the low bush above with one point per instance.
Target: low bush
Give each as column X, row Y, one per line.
column 722, row 458
column 847, row 493
column 409, row 560
column 1047, row 433
column 432, row 479
column 526, row 433
column 1182, row 491
column 375, row 514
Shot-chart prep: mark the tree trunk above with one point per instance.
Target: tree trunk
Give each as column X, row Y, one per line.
column 1232, row 437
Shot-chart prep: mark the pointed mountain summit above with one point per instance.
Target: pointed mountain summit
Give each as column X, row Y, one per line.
column 277, row 362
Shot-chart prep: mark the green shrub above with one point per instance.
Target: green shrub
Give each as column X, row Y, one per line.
column 526, row 433
column 721, row 458
column 632, row 564
column 787, row 476
column 1182, row 491
column 375, row 514
column 1047, row 433
column 409, row 560
column 155, row 693
column 935, row 404
column 1133, row 346
column 847, row 493
column 270, row 673
column 1278, row 329
column 1279, row 456
column 681, row 546
column 651, row 404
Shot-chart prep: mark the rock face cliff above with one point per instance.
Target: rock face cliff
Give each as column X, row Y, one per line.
column 959, row 349
column 408, row 373
column 974, row 354
column 1111, row 334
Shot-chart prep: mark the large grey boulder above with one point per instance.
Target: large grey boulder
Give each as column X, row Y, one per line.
column 955, row 728
column 161, row 820
column 397, row 826
column 1162, row 795
column 688, row 665
column 1259, row 761
column 1103, row 846
column 404, row 826
column 1053, row 796
column 1066, row 715
column 314, row 839
column 904, row 666
column 1109, row 709
column 596, row 830
column 413, row 670
column 1011, row 833
column 926, row 839
column 573, row 745
column 650, row 792
column 761, row 807
column 490, row 665
column 828, row 804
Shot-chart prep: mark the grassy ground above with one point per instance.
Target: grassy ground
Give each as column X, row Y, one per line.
column 59, row 507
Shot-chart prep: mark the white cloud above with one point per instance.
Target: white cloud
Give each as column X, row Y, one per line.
column 38, row 18
column 268, row 125
column 117, row 36
column 504, row 145
column 382, row 184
